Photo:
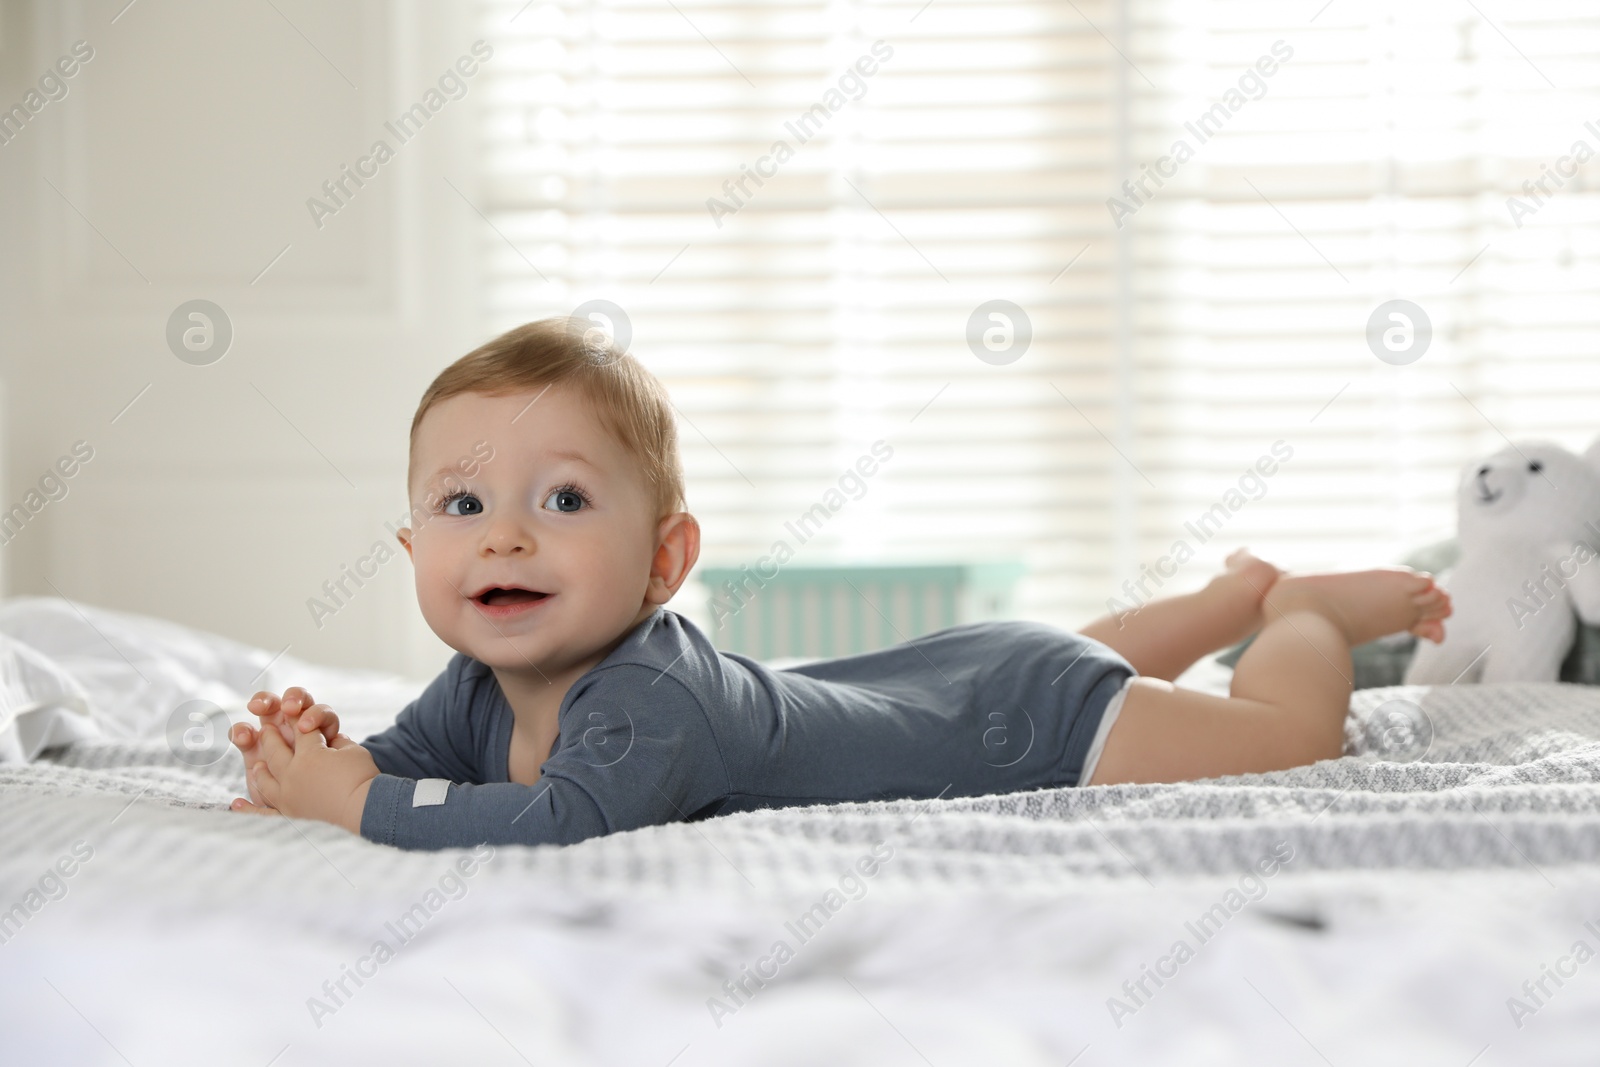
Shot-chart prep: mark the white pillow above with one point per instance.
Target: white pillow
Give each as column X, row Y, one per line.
column 40, row 704
column 136, row 670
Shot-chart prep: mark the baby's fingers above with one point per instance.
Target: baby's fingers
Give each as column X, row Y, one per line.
column 264, row 785
column 248, row 741
column 242, row 805
column 320, row 717
column 273, row 712
column 296, row 700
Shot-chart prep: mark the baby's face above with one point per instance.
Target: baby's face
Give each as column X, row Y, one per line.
column 579, row 528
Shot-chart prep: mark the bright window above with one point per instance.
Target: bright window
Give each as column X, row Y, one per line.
column 821, row 302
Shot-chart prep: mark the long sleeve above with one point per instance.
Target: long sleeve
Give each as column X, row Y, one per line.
column 635, row 749
column 431, row 737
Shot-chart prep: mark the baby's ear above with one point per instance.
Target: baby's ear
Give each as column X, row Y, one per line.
column 678, row 549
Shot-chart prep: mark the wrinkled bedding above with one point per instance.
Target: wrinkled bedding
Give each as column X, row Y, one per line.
column 1415, row 886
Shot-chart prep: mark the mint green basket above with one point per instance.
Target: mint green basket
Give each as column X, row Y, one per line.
column 844, row 609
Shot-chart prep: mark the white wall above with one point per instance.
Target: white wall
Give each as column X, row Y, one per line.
column 187, row 148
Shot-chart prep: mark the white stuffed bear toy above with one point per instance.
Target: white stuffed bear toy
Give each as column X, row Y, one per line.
column 1529, row 532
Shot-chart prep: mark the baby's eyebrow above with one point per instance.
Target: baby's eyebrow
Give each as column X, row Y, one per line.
column 568, row 453
column 440, row 473
column 558, row 453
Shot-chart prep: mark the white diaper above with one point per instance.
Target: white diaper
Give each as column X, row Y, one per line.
column 1106, row 720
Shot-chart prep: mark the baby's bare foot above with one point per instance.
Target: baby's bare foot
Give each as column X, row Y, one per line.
column 1367, row 605
column 1253, row 570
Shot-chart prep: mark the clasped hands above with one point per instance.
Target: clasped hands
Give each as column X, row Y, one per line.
column 299, row 764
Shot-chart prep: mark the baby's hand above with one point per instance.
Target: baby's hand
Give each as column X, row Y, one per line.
column 314, row 780
column 295, row 713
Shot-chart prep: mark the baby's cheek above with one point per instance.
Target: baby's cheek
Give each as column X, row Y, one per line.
column 428, row 580
column 441, row 605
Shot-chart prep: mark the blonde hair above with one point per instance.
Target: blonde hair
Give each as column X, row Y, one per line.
column 631, row 403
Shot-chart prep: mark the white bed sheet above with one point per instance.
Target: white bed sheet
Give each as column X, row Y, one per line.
column 196, row 935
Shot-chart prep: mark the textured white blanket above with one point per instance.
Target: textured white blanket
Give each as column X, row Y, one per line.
column 1433, row 873
column 1511, row 778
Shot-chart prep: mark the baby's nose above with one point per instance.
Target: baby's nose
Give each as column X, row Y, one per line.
column 507, row 538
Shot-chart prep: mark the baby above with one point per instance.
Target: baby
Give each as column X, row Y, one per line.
column 579, row 705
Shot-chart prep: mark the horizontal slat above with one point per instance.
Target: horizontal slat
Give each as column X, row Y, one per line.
column 831, row 308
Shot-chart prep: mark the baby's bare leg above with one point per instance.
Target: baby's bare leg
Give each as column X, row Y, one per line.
column 1165, row 637
column 1291, row 688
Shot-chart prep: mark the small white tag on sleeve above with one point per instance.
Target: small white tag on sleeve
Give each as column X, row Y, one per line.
column 429, row 791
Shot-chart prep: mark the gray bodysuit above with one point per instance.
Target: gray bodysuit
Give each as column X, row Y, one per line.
column 668, row 728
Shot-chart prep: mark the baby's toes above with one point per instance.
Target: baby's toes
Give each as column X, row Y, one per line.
column 1255, row 572
column 1419, row 583
column 1435, row 604
column 1431, row 629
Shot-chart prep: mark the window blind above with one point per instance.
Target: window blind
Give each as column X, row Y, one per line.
column 805, row 303
column 1377, row 163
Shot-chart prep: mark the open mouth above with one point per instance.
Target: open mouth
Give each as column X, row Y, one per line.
column 507, row 596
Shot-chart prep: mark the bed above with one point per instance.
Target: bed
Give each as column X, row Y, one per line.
column 1430, row 897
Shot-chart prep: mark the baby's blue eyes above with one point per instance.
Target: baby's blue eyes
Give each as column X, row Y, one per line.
column 569, row 499
column 469, row 504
